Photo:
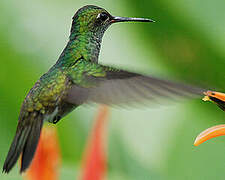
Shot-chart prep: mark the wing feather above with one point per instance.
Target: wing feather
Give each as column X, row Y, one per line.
column 123, row 87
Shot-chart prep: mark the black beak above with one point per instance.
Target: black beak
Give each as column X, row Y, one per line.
column 126, row 19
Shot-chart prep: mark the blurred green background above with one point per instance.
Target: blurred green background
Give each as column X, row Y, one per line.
column 186, row 43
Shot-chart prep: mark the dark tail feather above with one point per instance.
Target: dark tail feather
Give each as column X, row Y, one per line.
column 31, row 145
column 25, row 142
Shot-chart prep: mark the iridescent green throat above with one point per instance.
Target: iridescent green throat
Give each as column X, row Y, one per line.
column 81, row 45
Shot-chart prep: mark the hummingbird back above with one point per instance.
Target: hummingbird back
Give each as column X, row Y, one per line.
column 44, row 102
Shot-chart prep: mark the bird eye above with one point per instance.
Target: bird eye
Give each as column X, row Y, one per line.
column 103, row 16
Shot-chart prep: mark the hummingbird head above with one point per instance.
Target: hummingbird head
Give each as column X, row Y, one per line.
column 95, row 20
column 88, row 26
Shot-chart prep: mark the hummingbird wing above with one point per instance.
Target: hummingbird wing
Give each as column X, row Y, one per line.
column 107, row 85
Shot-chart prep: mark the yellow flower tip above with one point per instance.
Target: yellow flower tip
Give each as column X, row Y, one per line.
column 206, row 98
column 210, row 133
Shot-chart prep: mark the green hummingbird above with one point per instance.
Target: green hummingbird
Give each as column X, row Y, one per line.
column 78, row 78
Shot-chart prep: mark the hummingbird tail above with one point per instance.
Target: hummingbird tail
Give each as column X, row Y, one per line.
column 25, row 142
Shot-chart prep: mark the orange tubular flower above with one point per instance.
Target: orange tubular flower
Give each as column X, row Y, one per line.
column 94, row 159
column 45, row 165
column 210, row 133
column 219, row 130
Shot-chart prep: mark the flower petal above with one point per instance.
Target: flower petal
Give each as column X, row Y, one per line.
column 217, row 97
column 209, row 133
column 45, row 164
column 94, row 159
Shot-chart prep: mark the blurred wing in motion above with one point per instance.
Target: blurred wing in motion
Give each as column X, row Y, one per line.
column 113, row 86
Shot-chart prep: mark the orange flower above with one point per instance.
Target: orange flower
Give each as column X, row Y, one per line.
column 219, row 99
column 216, row 97
column 47, row 157
column 210, row 133
column 94, row 159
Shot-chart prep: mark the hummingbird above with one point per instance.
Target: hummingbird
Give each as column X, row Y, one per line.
column 77, row 78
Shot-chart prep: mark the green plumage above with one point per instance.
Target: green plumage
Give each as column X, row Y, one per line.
column 77, row 78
